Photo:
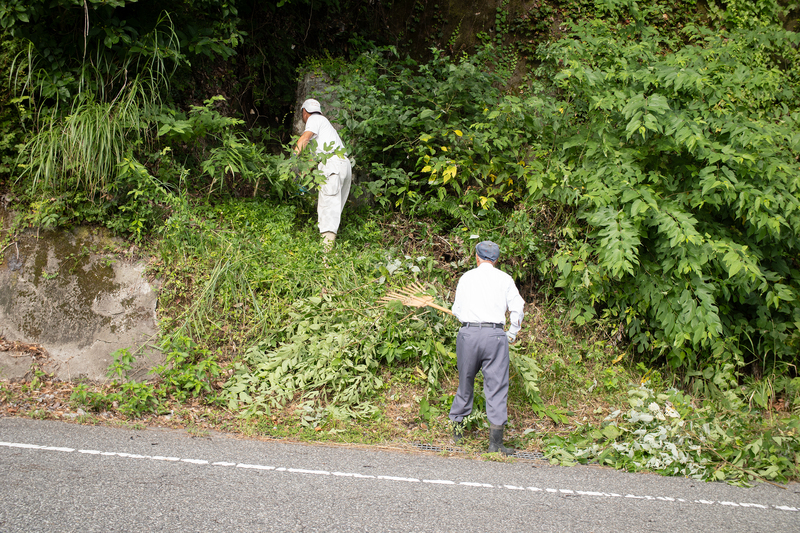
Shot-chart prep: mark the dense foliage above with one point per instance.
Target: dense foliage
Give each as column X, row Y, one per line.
column 120, row 103
column 673, row 165
column 116, row 38
column 311, row 332
column 647, row 170
column 682, row 167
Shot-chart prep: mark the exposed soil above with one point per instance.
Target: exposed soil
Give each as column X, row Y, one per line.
column 399, row 425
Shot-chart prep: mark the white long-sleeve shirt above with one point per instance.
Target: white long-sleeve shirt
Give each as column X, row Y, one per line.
column 484, row 294
column 328, row 140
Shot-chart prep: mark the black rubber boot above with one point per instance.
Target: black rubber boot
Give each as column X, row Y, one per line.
column 458, row 431
column 496, row 441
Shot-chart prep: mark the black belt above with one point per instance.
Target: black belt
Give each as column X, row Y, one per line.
column 481, row 325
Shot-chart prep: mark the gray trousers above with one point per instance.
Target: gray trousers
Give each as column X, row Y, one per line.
column 482, row 349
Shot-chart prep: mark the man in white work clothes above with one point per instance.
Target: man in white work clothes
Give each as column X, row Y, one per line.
column 334, row 164
column 483, row 296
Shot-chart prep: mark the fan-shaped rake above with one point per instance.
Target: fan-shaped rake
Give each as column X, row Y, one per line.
column 413, row 295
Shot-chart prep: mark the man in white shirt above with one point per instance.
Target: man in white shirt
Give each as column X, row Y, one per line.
column 483, row 296
column 334, row 164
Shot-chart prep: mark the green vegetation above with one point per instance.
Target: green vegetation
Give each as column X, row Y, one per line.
column 666, row 433
column 638, row 165
column 683, row 180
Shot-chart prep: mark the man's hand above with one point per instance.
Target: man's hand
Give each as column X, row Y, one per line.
column 510, row 336
column 303, row 141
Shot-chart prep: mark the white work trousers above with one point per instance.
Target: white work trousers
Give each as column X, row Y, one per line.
column 333, row 193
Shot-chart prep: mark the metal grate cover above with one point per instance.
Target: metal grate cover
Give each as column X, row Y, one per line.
column 433, row 448
column 530, row 455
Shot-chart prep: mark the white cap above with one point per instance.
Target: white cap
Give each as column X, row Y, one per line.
column 312, row 106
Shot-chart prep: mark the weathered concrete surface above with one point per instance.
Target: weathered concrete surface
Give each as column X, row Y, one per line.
column 314, row 85
column 67, row 302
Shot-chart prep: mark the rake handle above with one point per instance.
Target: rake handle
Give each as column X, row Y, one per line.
column 440, row 308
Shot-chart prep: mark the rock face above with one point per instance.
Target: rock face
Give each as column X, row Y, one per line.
column 320, row 86
column 314, row 85
column 65, row 294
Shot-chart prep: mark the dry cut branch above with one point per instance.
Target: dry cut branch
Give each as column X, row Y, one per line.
column 413, row 296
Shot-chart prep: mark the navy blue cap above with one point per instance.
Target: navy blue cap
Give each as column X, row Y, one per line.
column 488, row 251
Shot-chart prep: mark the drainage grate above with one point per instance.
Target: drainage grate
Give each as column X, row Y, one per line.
column 530, row 455
column 426, row 447
column 432, row 448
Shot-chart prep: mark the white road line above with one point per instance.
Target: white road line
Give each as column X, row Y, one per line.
column 256, row 467
column 753, row 505
column 195, row 461
column 18, row 445
column 204, row 462
column 58, row 449
column 394, row 478
column 134, row 456
column 303, row 471
column 350, row 474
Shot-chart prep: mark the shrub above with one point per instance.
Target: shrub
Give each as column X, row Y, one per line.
column 681, row 170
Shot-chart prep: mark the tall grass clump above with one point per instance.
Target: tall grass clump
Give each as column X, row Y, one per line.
column 84, row 148
column 79, row 140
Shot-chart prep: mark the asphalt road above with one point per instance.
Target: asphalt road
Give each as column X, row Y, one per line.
column 57, row 477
